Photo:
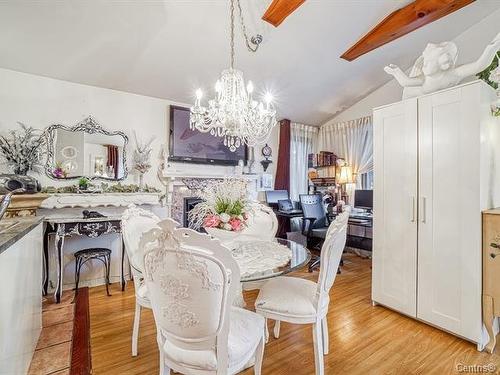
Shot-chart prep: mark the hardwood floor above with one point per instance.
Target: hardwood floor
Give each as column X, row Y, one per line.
column 363, row 339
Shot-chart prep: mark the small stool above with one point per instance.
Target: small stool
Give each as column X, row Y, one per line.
column 82, row 256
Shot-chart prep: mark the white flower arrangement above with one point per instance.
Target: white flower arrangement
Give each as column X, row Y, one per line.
column 142, row 155
column 23, row 150
column 225, row 206
column 141, row 158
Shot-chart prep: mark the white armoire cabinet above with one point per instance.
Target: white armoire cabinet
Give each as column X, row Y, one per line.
column 436, row 167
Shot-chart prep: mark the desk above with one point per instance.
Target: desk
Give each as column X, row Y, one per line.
column 284, row 221
column 359, row 232
column 66, row 227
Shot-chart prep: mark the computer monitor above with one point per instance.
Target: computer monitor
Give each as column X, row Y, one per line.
column 363, row 199
column 273, row 196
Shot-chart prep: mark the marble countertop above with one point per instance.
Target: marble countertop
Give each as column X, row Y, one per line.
column 12, row 230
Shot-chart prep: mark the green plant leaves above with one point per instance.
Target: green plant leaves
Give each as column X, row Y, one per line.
column 485, row 74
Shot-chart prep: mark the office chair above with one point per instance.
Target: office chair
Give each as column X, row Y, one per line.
column 314, row 224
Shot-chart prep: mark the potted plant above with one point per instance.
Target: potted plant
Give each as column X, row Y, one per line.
column 224, row 211
column 23, row 150
column 83, row 183
column 491, row 75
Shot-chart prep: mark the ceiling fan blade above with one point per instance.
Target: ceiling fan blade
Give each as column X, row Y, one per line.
column 402, row 22
column 279, row 10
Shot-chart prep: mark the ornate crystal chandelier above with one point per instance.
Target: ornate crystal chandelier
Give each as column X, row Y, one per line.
column 233, row 114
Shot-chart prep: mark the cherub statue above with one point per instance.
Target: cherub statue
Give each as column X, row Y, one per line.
column 435, row 69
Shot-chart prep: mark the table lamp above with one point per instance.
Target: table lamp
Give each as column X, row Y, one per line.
column 345, row 177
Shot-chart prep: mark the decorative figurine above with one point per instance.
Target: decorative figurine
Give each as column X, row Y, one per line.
column 435, row 69
column 91, row 214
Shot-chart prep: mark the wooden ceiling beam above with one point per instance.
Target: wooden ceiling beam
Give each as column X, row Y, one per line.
column 402, row 22
column 279, row 10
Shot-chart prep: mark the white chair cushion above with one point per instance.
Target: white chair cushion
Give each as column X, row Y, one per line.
column 245, row 331
column 288, row 296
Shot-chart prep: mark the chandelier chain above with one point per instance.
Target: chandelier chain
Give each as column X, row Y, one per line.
column 233, row 114
column 231, row 43
column 256, row 40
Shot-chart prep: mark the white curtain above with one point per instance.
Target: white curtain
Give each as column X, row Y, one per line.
column 351, row 140
column 302, row 139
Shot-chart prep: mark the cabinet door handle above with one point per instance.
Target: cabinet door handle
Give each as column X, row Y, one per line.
column 424, row 209
column 413, row 211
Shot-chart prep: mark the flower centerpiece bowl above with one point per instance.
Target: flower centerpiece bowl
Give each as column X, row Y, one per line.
column 226, row 237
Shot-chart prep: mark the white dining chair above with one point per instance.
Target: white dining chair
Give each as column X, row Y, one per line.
column 262, row 223
column 301, row 301
column 192, row 280
column 136, row 221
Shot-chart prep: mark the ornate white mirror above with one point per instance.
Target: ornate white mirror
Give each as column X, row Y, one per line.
column 85, row 150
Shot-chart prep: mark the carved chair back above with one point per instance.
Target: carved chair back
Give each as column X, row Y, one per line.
column 192, row 280
column 135, row 222
column 331, row 253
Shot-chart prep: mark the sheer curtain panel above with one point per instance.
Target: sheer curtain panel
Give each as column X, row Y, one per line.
column 302, row 140
column 351, row 140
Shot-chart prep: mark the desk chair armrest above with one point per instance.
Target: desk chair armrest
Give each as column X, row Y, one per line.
column 307, row 223
column 327, row 219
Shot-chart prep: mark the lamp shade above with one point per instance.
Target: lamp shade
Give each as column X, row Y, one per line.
column 345, row 175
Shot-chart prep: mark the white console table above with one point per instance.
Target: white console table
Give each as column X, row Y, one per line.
column 100, row 200
column 65, row 223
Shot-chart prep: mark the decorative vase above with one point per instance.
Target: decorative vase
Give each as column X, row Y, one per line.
column 141, row 181
column 21, row 170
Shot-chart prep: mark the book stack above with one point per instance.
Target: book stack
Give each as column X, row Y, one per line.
column 323, row 159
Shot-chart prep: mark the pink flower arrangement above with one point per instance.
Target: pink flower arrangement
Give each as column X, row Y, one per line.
column 225, row 221
column 236, row 224
column 59, row 171
column 211, row 221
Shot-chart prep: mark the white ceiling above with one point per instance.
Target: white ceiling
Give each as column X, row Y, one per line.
column 166, row 49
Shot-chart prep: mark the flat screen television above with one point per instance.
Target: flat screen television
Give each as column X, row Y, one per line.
column 192, row 146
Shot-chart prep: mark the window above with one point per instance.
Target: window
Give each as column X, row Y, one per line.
column 367, row 180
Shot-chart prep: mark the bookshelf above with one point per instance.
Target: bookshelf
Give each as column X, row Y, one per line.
column 321, row 160
column 324, row 169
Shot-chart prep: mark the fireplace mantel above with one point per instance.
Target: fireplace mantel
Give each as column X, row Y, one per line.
column 180, row 186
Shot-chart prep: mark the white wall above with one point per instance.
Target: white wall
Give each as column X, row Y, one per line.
column 39, row 102
column 470, row 44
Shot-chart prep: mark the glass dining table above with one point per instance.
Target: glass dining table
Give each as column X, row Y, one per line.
column 259, row 260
